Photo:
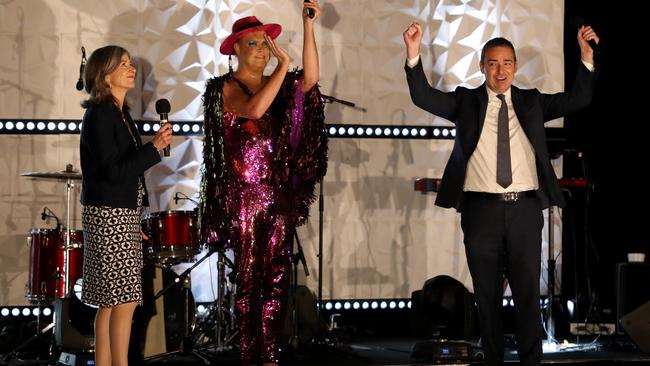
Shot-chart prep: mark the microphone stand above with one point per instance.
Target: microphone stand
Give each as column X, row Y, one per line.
column 325, row 341
column 331, row 99
column 297, row 256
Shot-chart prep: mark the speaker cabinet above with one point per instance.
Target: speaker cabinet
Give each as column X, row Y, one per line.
column 632, row 288
column 637, row 326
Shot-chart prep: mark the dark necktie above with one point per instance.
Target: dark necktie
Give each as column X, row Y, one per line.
column 504, row 170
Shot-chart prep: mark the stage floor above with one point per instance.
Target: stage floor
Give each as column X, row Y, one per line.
column 604, row 350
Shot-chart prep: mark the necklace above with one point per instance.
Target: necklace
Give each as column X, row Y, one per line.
column 128, row 127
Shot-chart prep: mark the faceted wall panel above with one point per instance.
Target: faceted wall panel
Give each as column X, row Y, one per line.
column 381, row 239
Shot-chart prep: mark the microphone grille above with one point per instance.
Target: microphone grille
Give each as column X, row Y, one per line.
column 163, row 106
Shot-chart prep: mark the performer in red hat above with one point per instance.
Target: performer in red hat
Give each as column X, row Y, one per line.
column 264, row 151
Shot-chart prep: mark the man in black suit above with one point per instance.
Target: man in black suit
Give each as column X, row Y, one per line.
column 499, row 177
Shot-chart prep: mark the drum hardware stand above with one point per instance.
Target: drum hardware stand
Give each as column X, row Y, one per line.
column 225, row 331
column 186, row 344
column 39, row 332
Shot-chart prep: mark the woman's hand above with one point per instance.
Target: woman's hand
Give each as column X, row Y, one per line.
column 313, row 5
column 163, row 137
column 278, row 52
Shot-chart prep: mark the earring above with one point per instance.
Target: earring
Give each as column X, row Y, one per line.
column 230, row 64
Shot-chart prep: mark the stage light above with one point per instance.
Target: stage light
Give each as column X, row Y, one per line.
column 351, row 131
column 4, row 312
column 383, row 305
column 365, row 305
column 36, row 311
column 337, row 305
column 146, row 127
column 570, row 305
column 395, row 131
column 359, row 131
column 392, row 304
column 378, row 131
column 341, row 130
column 30, row 126
column 356, row 305
column 27, row 311
column 196, row 128
column 346, row 305
column 51, row 126
column 423, row 132
column 20, row 126
column 436, row 132
column 374, row 305
column 443, row 309
column 387, row 131
column 328, row 306
column 15, row 311
column 401, row 304
column 512, row 302
column 47, row 312
column 2, row 125
column 40, row 126
column 72, row 126
column 332, row 131
column 369, row 131
column 61, row 126
column 9, row 125
column 156, row 127
column 185, row 128
column 176, row 127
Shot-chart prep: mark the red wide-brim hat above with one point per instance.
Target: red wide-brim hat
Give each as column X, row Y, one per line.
column 244, row 26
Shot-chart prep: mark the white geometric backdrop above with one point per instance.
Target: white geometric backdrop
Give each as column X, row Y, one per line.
column 381, row 239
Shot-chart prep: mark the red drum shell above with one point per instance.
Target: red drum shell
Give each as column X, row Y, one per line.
column 47, row 263
column 172, row 234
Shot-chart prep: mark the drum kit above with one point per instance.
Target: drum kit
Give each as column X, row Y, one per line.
column 171, row 240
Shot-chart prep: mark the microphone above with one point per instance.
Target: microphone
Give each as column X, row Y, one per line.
column 43, row 214
column 177, row 197
column 310, row 12
column 578, row 21
column 80, row 82
column 162, row 108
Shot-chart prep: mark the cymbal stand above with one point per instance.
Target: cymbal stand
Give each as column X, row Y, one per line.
column 66, row 252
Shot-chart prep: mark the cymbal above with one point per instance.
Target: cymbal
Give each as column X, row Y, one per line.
column 62, row 175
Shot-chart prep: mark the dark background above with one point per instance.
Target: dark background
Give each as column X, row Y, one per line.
column 606, row 144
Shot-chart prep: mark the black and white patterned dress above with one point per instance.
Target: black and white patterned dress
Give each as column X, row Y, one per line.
column 112, row 254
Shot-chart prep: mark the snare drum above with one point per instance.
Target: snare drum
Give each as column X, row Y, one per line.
column 47, row 263
column 172, row 234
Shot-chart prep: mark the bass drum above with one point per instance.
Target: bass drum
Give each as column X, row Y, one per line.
column 161, row 324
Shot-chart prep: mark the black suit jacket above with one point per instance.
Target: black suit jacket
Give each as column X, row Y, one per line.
column 110, row 161
column 466, row 108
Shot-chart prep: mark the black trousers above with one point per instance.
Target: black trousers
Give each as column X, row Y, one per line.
column 506, row 236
